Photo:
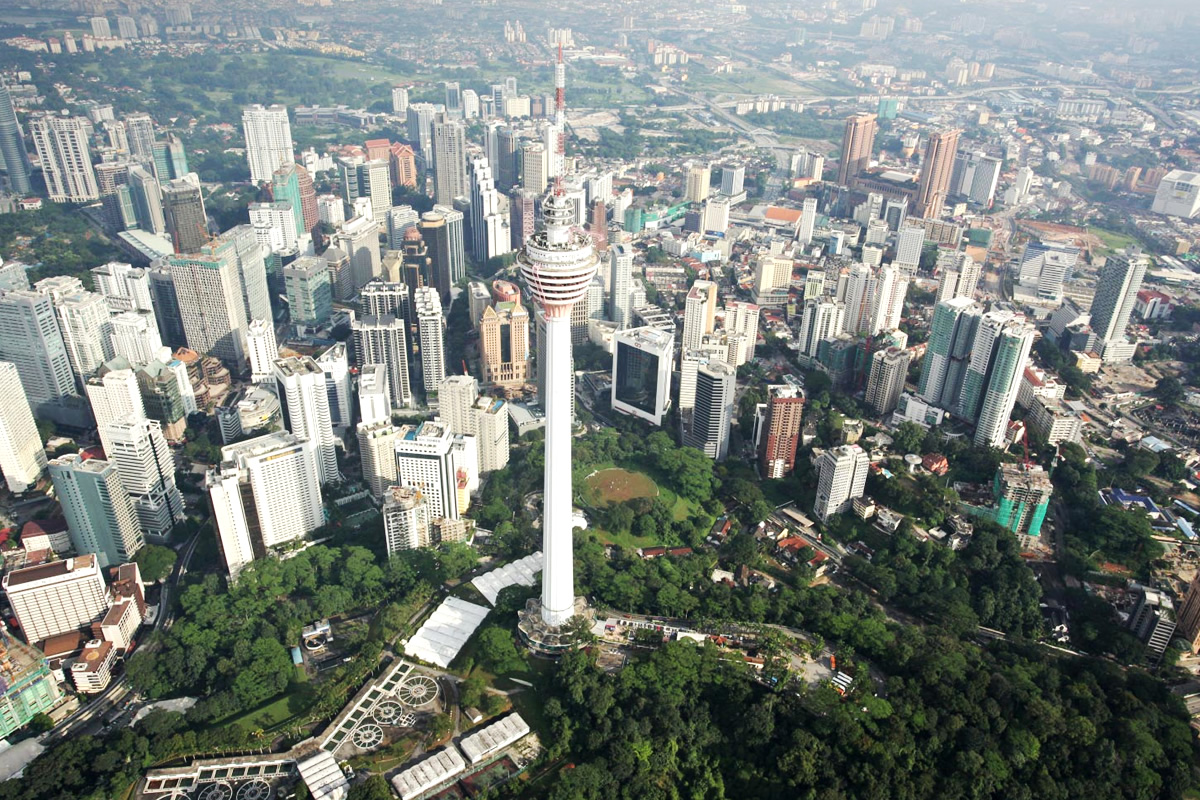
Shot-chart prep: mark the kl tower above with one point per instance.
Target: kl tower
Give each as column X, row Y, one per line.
column 558, row 264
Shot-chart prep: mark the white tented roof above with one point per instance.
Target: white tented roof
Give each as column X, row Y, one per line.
column 491, row 738
column 433, row 771
column 446, row 631
column 521, row 572
column 323, row 777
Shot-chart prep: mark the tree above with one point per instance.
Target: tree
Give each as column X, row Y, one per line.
column 1169, row 390
column 440, row 726
column 373, row 788
column 498, row 651
column 40, row 723
column 155, row 562
column 908, row 437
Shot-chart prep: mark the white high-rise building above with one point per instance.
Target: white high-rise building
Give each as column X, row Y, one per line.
column 824, row 318
column 266, row 492
column 400, row 101
column 359, row 239
column 274, row 225
column 808, row 221
column 842, row 477
column 1116, row 294
column 699, row 177
column 114, row 395
column 211, row 304
column 490, row 236
column 22, row 458
column 399, row 220
column 431, row 332
column 135, row 337
column 620, row 284
column 891, row 287
column 83, row 320
column 741, row 326
column 489, row 416
column 59, row 597
column 377, row 450
column 733, row 180
column 889, row 369
column 66, row 159
column 1178, row 195
column 910, row 241
column 305, row 402
column 136, row 446
column 336, row 365
column 442, row 466
column 449, row 161
column 641, row 372
column 699, row 313
column 712, row 414
column 381, row 340
column 456, row 397
column 374, row 397
column 124, row 287
column 100, row 515
column 261, row 347
column 959, row 278
column 406, row 519
column 268, row 140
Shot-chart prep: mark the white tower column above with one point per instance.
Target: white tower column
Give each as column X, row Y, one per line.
column 558, row 576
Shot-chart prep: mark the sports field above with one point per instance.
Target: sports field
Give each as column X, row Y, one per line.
column 616, row 485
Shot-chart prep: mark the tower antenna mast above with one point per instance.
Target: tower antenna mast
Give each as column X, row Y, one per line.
column 560, row 120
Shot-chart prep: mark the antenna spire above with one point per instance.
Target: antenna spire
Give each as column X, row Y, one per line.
column 560, row 120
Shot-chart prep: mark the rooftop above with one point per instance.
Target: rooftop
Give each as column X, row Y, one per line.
column 55, row 569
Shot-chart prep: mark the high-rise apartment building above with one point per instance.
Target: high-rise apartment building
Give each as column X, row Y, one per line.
column 936, row 170
column 12, row 146
column 420, row 118
column 406, row 519
column 641, row 372
column 1153, row 621
column 114, row 393
column 184, row 214
column 490, row 235
column 823, row 318
column 33, row 342
column 449, row 160
column 999, row 353
column 208, row 291
column 62, row 148
column 778, row 430
column 699, row 177
column 265, row 492
column 431, row 338
column 741, row 328
column 358, row 238
column 58, row 597
column 22, row 458
column 441, row 465
column 842, row 476
column 808, row 221
column 335, row 364
column 382, row 340
column 268, row 135
column 1022, row 496
column 304, row 400
column 620, row 284
column 100, row 516
column 699, row 313
column 504, row 343
column 374, row 396
column 399, row 221
column 146, row 467
column 83, row 320
column 889, row 369
column 456, row 398
column 712, row 413
column 286, row 186
column 400, row 101
column 959, row 278
column 146, row 194
column 858, row 142
column 377, row 451
column 1116, row 294
column 262, row 349
column 948, row 352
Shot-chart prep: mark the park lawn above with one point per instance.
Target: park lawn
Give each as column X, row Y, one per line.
column 626, row 541
column 273, row 713
column 1113, row 240
column 616, row 485
column 528, row 704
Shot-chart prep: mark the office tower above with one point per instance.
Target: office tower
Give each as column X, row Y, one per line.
column 949, row 349
column 377, row 452
column 741, row 324
column 823, row 318
column 620, row 283
column 12, row 146
column 420, row 117
column 374, row 396
column 504, row 343
column 436, row 234
column 114, row 393
column 772, row 278
column 858, row 142
column 335, row 364
column 716, row 215
column 1116, row 293
column 22, row 458
column 184, row 215
column 33, row 342
column 135, row 337
column 1177, row 194
column 842, row 477
column 534, row 169
column 382, row 340
column 208, row 292
column 779, row 430
column 910, row 241
column 1046, row 265
column 889, row 370
column 139, row 130
column 456, row 238
column 406, row 519
column 690, row 362
column 400, row 101
column 170, row 159
column 490, row 236
column 698, row 178
column 733, row 180
column 304, row 400
column 1188, row 615
column 167, row 395
column 449, row 161
column 261, row 349
column 974, row 177
column 66, row 159
column 641, row 372
column 699, row 313
column 99, row 513
column 285, row 185
column 716, row 383
column 959, row 278
column 146, row 467
column 83, row 321
column 369, row 179
column 359, row 240
column 453, row 96
column 508, row 159
column 999, row 352
column 1022, row 497
column 860, row 299
column 814, row 284
column 400, row 220
column 489, row 425
column 59, row 597
column 936, row 168
column 521, row 217
column 309, row 291
column 268, row 140
column 147, row 200
column 442, row 466
column 308, row 196
column 266, row 492
column 808, row 221
column 1153, row 621
column 431, row 337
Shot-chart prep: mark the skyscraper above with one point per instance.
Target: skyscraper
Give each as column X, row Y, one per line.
column 1007, row 339
column 779, row 430
column 534, row 169
column 12, row 146
column 456, row 235
column 146, row 467
column 261, row 349
column 399, row 221
column 335, row 364
column 949, row 350
column 1022, row 497
column 33, row 342
column 441, row 465
column 858, row 142
column 22, row 458
column 436, row 235
column 733, row 180
column 374, row 397
column 66, row 158
column 889, row 369
column 83, row 320
column 708, row 431
column 824, row 318
column 114, row 393
column 620, row 283
column 910, row 241
column 842, row 476
column 641, row 372
column 305, row 403
column 184, row 214
column 382, row 340
column 100, row 515
column 450, row 161
column 698, row 178
column 359, row 240
column 406, row 519
column 1116, row 293
column 490, row 235
column 268, row 140
column 309, row 291
column 808, row 221
column 420, row 118
column 699, row 313
column 208, row 291
column 431, row 337
column 265, row 492
column 377, row 451
column 504, row 343
column 936, row 169
column 285, row 185
column 147, row 200
column 960, row 276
